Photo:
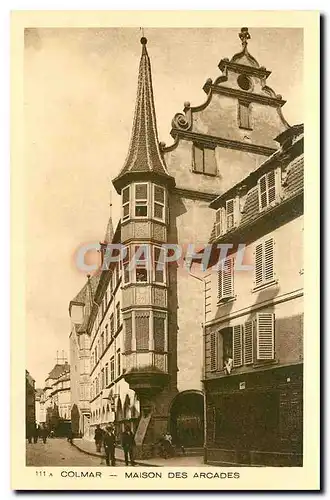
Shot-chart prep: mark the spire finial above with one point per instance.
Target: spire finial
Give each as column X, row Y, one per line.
column 244, row 36
column 143, row 39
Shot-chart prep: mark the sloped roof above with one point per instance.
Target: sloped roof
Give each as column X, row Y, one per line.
column 58, row 370
column 144, row 154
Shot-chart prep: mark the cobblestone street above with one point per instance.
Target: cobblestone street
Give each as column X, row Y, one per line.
column 58, row 452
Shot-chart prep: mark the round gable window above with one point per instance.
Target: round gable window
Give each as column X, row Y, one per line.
column 244, row 82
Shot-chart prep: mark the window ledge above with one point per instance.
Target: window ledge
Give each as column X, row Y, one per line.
column 222, row 302
column 265, row 285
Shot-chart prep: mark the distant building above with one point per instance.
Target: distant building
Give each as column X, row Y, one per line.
column 30, row 410
column 142, row 326
column 57, row 399
column 40, row 410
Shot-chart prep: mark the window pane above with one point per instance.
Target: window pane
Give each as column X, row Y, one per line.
column 126, row 211
column 198, row 159
column 159, row 194
column 158, row 211
column 244, row 115
column 126, row 273
column 141, row 211
column 141, row 191
column 126, row 195
column 141, row 275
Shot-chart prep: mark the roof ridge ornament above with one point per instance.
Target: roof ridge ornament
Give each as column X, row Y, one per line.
column 244, row 35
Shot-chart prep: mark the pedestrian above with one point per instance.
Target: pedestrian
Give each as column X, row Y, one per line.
column 98, row 438
column 127, row 441
column 44, row 434
column 29, row 432
column 70, row 435
column 109, row 442
column 35, row 433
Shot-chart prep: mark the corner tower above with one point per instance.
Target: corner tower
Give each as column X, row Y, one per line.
column 144, row 184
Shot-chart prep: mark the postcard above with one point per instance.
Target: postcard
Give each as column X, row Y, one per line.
column 165, row 304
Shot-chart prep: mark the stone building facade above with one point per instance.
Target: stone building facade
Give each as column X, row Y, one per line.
column 145, row 323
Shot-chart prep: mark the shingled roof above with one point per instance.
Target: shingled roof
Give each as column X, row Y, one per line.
column 144, row 155
column 58, row 370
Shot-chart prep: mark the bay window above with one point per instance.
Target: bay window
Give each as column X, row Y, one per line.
column 144, row 264
column 143, row 200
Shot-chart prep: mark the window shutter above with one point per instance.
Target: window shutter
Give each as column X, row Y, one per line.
column 244, row 115
column 210, row 164
column 213, row 351
column 142, row 330
column 265, row 336
column 269, row 259
column 198, row 159
column 262, row 187
column 218, row 226
column 128, row 333
column 237, row 345
column 248, row 343
column 230, row 216
column 259, row 264
column 271, row 188
column 226, row 280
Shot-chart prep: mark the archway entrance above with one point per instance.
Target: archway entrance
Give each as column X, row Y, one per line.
column 187, row 419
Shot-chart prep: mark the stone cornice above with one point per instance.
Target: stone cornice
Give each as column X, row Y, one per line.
column 213, row 141
column 261, row 72
column 248, row 96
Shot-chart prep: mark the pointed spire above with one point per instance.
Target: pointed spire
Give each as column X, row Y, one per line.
column 108, row 237
column 144, row 155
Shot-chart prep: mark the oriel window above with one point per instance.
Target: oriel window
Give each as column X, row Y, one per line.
column 141, row 264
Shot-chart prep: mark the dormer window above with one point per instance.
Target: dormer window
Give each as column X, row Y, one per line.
column 226, row 217
column 268, row 189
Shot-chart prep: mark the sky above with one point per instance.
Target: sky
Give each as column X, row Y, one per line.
column 79, row 97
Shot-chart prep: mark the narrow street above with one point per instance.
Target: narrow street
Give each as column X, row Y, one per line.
column 58, row 452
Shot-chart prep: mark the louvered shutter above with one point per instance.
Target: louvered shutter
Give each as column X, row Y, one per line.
column 218, row 229
column 226, row 280
column 230, row 214
column 248, row 343
column 269, row 259
column 265, row 336
column 271, row 186
column 213, row 351
column 237, row 346
column 262, row 186
column 259, row 264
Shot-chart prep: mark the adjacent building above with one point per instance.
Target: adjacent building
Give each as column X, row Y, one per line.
column 30, row 409
column 254, row 318
column 137, row 338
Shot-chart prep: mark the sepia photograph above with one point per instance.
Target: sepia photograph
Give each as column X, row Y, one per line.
column 164, row 252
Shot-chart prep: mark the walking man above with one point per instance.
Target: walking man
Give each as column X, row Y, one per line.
column 109, row 442
column 44, row 433
column 35, row 433
column 127, row 441
column 98, row 436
